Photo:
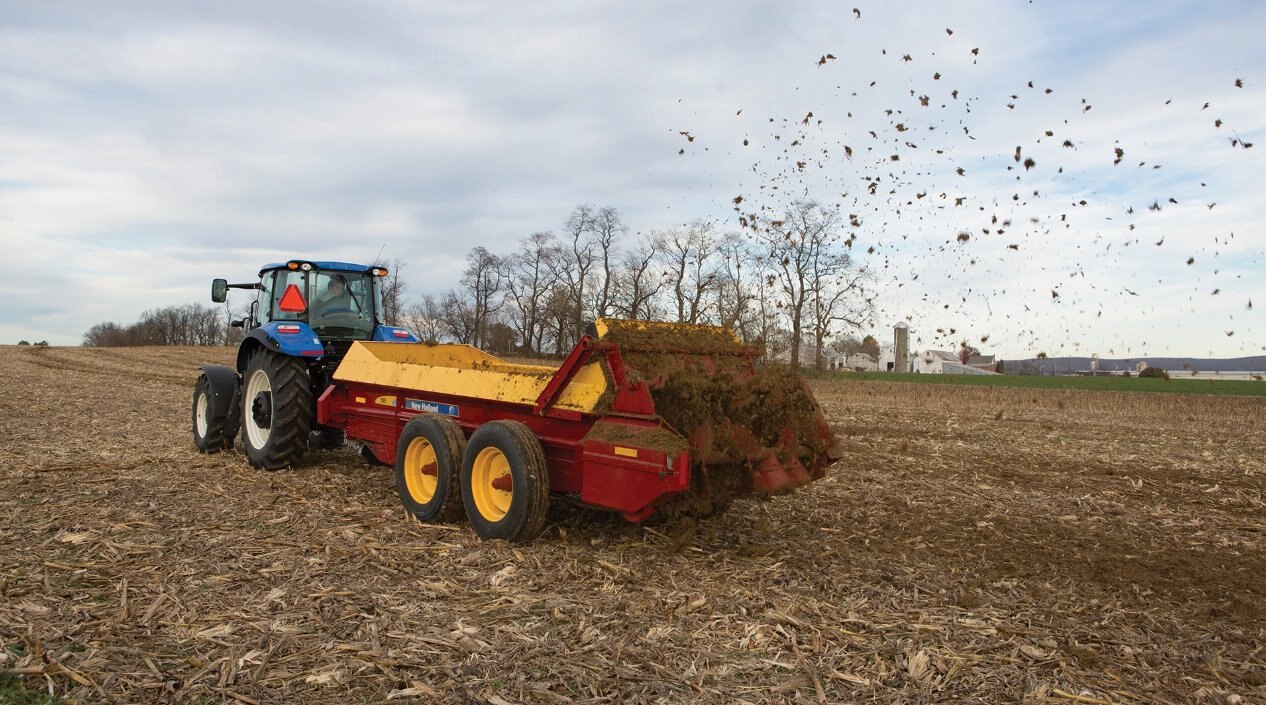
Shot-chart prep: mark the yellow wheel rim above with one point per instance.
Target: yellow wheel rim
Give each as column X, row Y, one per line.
column 421, row 470
column 490, row 484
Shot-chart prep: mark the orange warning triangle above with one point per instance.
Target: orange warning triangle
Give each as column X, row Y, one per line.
column 292, row 301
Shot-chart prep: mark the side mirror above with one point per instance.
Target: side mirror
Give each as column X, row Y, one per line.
column 239, row 323
column 219, row 290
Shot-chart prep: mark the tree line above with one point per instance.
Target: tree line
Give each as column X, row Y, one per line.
column 788, row 287
column 186, row 324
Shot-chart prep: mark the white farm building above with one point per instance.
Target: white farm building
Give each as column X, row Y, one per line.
column 940, row 362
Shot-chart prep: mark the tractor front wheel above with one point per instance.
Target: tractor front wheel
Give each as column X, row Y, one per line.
column 505, row 482
column 277, row 408
column 428, row 463
column 212, row 433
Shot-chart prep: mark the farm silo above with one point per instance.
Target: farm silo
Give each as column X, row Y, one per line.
column 901, row 347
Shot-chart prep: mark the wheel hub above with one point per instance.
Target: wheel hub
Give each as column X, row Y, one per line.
column 262, row 409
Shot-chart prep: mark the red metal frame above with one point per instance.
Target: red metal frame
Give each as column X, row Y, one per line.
column 627, row 478
column 633, row 481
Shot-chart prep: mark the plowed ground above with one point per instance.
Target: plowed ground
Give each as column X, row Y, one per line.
column 974, row 545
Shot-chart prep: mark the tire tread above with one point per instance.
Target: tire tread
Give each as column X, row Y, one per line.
column 292, row 412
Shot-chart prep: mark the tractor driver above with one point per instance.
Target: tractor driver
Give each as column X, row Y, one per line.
column 336, row 296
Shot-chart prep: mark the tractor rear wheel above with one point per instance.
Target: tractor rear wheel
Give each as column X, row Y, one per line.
column 211, row 433
column 505, row 482
column 277, row 409
column 428, row 465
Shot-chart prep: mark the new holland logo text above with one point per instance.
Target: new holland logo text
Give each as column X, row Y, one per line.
column 432, row 406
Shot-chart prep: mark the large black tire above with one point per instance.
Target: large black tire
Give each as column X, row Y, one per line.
column 211, row 433
column 428, row 467
column 496, row 451
column 277, row 409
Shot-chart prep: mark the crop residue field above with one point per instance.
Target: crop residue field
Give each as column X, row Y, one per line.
column 984, row 544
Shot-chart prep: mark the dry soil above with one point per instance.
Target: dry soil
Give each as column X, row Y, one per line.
column 974, row 545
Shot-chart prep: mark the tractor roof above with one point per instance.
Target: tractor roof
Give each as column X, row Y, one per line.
column 336, row 266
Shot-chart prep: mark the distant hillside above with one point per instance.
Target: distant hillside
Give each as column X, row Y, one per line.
column 1256, row 363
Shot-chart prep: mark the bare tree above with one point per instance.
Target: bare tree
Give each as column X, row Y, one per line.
column 605, row 228
column 394, row 287
column 233, row 336
column 187, row 324
column 687, row 254
column 458, row 317
column 483, row 280
column 499, row 337
column 105, row 335
column 734, row 289
column 837, row 294
column 425, row 318
column 846, row 345
column 575, row 269
column 769, row 333
column 795, row 245
column 636, row 281
column 529, row 274
column 560, row 319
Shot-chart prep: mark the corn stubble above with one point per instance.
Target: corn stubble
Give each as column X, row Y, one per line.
column 975, row 544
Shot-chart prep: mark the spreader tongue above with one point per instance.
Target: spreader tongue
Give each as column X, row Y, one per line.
column 752, row 429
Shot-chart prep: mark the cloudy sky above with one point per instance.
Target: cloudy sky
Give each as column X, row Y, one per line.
column 147, row 147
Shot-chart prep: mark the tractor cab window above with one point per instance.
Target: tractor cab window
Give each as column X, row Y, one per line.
column 342, row 303
column 286, row 303
column 264, row 298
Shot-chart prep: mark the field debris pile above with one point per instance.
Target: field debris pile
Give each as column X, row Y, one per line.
column 1079, row 547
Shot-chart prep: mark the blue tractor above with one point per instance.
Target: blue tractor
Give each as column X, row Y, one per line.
column 305, row 317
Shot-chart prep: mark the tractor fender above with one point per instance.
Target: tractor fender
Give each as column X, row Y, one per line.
column 224, row 384
column 393, row 334
column 303, row 343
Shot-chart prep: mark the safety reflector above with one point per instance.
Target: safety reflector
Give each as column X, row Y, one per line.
column 292, row 300
column 400, row 333
column 288, row 329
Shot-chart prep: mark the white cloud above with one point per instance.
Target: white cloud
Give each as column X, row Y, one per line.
column 148, row 147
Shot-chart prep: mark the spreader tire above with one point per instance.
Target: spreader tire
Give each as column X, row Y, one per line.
column 211, row 432
column 428, row 465
column 505, row 482
column 277, row 409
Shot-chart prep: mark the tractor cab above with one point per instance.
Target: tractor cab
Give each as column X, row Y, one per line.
column 315, row 310
column 305, row 317
column 338, row 301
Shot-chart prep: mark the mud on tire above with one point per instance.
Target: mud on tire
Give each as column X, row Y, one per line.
column 277, row 410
